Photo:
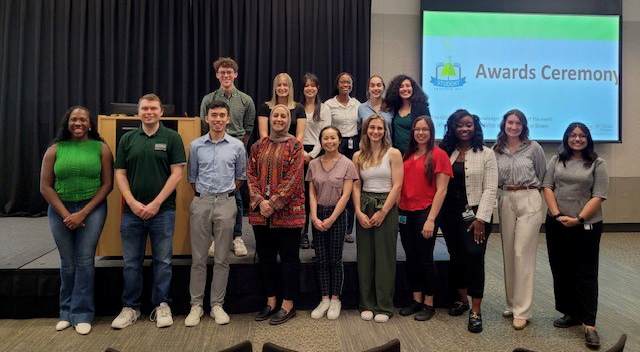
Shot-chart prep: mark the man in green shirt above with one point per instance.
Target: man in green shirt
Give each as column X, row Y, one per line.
column 149, row 165
column 242, row 112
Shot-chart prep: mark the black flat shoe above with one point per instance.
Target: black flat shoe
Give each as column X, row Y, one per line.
column 304, row 242
column 458, row 308
column 592, row 340
column 348, row 238
column 566, row 322
column 281, row 316
column 475, row 322
column 426, row 313
column 413, row 308
column 265, row 313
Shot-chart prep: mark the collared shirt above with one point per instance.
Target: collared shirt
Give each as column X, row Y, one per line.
column 344, row 118
column 148, row 161
column 215, row 166
column 366, row 109
column 242, row 111
column 525, row 167
column 313, row 128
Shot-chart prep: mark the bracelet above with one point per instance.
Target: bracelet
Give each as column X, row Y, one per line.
column 125, row 193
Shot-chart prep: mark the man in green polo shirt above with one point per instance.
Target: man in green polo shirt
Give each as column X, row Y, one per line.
column 242, row 112
column 149, row 165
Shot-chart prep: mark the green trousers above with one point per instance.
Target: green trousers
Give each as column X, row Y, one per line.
column 377, row 256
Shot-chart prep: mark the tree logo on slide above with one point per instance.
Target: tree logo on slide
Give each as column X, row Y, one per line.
column 448, row 75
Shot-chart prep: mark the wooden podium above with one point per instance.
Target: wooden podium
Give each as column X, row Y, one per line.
column 111, row 128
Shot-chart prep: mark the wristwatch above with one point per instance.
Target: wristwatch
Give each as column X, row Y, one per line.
column 581, row 219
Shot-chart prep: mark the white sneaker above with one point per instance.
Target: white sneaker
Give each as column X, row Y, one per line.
column 194, row 316
column 62, row 324
column 381, row 318
column 219, row 315
column 162, row 315
column 126, row 317
column 212, row 249
column 366, row 315
column 321, row 309
column 83, row 328
column 239, row 249
column 334, row 309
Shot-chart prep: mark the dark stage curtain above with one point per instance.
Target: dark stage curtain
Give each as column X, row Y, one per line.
column 59, row 53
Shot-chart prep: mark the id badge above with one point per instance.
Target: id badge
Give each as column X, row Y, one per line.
column 350, row 143
column 468, row 215
column 588, row 227
column 402, row 219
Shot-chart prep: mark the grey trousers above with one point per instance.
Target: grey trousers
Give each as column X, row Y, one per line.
column 207, row 214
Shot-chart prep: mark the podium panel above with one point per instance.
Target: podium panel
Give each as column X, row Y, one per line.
column 111, row 128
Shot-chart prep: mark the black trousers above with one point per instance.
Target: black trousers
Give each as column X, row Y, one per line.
column 573, row 257
column 269, row 243
column 420, row 267
column 307, row 148
column 466, row 256
column 348, row 152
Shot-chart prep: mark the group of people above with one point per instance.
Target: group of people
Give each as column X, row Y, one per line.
column 375, row 164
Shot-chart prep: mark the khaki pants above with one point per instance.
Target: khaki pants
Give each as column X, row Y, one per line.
column 211, row 214
column 520, row 219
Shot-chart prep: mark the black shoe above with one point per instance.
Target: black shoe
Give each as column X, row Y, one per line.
column 591, row 339
column 566, row 322
column 426, row 313
column 304, row 242
column 348, row 238
column 458, row 308
column 413, row 308
column 282, row 316
column 265, row 313
column 475, row 322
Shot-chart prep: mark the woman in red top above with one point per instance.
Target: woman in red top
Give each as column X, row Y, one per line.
column 426, row 176
column 277, row 212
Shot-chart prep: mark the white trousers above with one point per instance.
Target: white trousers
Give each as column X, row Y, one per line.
column 520, row 219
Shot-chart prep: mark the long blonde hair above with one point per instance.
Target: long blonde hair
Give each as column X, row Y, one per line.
column 367, row 159
column 291, row 104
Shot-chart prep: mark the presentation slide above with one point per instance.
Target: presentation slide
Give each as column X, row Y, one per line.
column 557, row 69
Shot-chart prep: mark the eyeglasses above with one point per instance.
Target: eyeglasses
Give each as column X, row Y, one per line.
column 423, row 130
column 226, row 73
column 578, row 135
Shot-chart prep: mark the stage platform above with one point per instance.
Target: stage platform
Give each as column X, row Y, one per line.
column 30, row 281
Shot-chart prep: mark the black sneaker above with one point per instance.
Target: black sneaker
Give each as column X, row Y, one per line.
column 304, row 242
column 566, row 322
column 426, row 313
column 475, row 322
column 413, row 308
column 458, row 308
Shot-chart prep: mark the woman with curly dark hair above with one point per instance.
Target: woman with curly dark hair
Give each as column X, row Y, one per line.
column 467, row 210
column 406, row 100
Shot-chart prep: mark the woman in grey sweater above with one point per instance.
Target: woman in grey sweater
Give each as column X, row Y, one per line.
column 575, row 185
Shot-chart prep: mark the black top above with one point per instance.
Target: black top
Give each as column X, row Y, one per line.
column 456, row 198
column 264, row 110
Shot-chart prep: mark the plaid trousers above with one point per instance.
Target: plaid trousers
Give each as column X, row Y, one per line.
column 328, row 246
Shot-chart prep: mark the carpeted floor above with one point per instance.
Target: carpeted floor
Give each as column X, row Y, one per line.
column 619, row 312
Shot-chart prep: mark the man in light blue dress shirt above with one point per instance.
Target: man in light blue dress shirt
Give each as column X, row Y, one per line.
column 217, row 169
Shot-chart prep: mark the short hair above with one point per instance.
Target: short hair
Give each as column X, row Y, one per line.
column 336, row 91
column 330, row 127
column 225, row 62
column 150, row 97
column 217, row 104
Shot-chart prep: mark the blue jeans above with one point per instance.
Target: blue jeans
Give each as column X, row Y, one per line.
column 134, row 232
column 237, row 229
column 77, row 253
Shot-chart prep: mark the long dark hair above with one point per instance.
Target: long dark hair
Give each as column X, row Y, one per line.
column 413, row 146
column 589, row 155
column 336, row 91
column 392, row 98
column 502, row 135
column 63, row 132
column 450, row 140
column 314, row 79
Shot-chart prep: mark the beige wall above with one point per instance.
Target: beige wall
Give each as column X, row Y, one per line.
column 395, row 48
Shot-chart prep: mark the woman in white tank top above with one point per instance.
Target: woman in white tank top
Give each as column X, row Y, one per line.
column 374, row 196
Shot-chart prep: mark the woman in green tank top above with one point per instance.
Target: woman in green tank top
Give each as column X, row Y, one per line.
column 76, row 177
